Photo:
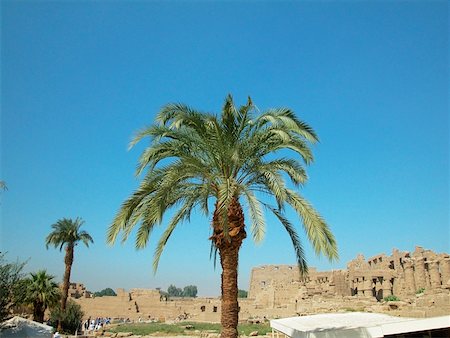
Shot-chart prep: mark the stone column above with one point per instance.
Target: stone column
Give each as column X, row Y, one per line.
column 419, row 273
column 444, row 265
column 368, row 287
column 386, row 286
column 409, row 276
column 435, row 277
column 360, row 286
column 398, row 284
column 427, row 276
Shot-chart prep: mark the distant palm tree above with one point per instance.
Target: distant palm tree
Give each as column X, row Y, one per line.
column 3, row 185
column 41, row 292
column 67, row 232
column 194, row 157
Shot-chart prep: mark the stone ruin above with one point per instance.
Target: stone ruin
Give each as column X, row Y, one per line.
column 420, row 280
column 78, row 290
column 402, row 274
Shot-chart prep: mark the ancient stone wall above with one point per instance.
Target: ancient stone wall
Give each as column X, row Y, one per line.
column 137, row 307
column 274, row 285
column 78, row 290
column 420, row 279
column 402, row 274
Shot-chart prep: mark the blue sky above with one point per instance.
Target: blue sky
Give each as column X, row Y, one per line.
column 79, row 78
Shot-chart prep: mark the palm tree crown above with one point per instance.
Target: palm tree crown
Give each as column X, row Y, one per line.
column 67, row 231
column 41, row 292
column 223, row 157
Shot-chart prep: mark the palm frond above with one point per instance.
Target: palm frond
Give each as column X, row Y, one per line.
column 258, row 224
column 296, row 243
column 227, row 189
column 316, row 229
column 183, row 213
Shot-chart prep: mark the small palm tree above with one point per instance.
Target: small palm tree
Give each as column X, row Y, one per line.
column 66, row 232
column 195, row 159
column 41, row 292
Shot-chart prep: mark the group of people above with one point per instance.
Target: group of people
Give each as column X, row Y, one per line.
column 91, row 325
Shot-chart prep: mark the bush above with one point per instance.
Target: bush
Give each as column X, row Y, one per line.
column 173, row 291
column 242, row 294
column 105, row 292
column 70, row 319
column 391, row 298
column 189, row 291
column 421, row 290
column 12, row 286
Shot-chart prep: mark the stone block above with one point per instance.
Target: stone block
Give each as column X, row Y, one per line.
column 442, row 300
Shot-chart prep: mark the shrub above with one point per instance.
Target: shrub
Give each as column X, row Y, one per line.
column 242, row 294
column 105, row 292
column 421, row 290
column 391, row 298
column 12, row 286
column 70, row 319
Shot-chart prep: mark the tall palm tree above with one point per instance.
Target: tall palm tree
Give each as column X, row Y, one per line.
column 66, row 232
column 42, row 292
column 195, row 159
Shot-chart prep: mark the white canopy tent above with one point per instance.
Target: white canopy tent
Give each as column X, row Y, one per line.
column 354, row 325
column 24, row 328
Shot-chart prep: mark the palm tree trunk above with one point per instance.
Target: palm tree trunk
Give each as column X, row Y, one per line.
column 228, row 247
column 230, row 306
column 38, row 312
column 68, row 260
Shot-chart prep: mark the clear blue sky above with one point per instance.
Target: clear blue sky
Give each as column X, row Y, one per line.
column 79, row 78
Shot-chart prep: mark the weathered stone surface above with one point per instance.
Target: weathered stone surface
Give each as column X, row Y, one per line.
column 280, row 291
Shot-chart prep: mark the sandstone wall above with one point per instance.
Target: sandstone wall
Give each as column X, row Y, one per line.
column 279, row 291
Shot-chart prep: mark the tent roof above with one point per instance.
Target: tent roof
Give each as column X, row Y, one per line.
column 354, row 324
column 24, row 328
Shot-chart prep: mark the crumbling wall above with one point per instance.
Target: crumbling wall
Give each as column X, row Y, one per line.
column 420, row 279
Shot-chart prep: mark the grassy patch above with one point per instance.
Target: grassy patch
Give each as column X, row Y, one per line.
column 262, row 329
column 179, row 329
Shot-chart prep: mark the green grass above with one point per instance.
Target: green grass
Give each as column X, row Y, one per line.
column 179, row 329
column 391, row 298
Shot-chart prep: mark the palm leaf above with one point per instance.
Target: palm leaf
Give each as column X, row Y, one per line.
column 316, row 229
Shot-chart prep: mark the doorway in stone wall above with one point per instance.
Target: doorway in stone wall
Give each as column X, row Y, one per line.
column 379, row 295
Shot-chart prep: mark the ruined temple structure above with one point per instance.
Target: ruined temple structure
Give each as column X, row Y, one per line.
column 402, row 274
column 273, row 285
column 420, row 279
column 78, row 290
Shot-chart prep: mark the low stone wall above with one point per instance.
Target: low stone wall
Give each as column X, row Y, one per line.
column 421, row 280
column 427, row 304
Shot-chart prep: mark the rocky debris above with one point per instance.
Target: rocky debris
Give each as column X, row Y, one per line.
column 209, row 334
column 253, row 334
